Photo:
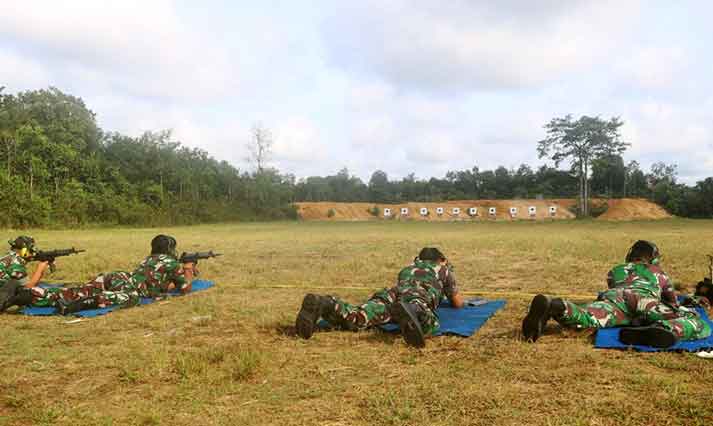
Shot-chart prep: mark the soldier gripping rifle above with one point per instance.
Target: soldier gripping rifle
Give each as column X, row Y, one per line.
column 196, row 256
column 17, row 286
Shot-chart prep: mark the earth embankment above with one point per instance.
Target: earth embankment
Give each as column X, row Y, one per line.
column 552, row 209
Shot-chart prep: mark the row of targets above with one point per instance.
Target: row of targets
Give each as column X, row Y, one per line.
column 472, row 211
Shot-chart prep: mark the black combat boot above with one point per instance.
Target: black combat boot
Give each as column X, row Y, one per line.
column 65, row 308
column 652, row 335
column 7, row 293
column 13, row 294
column 557, row 308
column 313, row 308
column 406, row 314
column 541, row 309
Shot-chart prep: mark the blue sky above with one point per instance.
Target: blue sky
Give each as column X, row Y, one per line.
column 418, row 86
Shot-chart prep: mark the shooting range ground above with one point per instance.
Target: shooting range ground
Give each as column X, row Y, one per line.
column 229, row 356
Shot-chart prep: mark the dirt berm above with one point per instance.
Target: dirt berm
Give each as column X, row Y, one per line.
column 622, row 209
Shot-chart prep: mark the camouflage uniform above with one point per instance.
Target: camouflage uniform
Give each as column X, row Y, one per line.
column 424, row 283
column 639, row 294
column 150, row 279
column 113, row 288
column 156, row 272
column 13, row 274
column 12, row 267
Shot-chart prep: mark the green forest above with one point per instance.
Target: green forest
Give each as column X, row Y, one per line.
column 58, row 168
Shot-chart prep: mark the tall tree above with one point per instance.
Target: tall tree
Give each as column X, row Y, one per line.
column 608, row 176
column 581, row 141
column 260, row 146
column 379, row 187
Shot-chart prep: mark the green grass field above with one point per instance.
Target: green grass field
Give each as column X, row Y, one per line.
column 228, row 356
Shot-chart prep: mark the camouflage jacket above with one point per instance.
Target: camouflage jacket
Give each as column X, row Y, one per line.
column 648, row 280
column 12, row 267
column 431, row 274
column 156, row 272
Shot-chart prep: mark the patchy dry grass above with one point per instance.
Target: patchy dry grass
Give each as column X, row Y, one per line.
column 228, row 356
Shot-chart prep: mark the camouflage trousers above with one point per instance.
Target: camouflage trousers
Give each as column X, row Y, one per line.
column 377, row 310
column 624, row 307
column 114, row 288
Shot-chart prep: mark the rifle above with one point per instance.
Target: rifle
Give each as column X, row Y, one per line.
column 51, row 255
column 196, row 256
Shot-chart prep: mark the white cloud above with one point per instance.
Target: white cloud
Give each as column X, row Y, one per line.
column 655, row 68
column 18, row 72
column 140, row 48
column 374, row 85
column 467, row 45
column 297, row 139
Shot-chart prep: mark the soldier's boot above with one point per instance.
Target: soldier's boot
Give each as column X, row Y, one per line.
column 7, row 293
column 16, row 296
column 313, row 308
column 542, row 308
column 652, row 335
column 557, row 308
column 65, row 308
column 406, row 314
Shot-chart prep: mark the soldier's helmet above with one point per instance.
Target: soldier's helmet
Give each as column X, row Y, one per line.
column 163, row 244
column 643, row 249
column 25, row 244
column 431, row 254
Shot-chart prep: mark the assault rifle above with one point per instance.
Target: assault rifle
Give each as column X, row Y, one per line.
column 705, row 288
column 51, row 255
column 195, row 257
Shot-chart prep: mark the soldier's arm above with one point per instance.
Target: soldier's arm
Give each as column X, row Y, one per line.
column 457, row 301
column 450, row 288
column 668, row 293
column 37, row 275
column 182, row 276
column 188, row 271
column 610, row 279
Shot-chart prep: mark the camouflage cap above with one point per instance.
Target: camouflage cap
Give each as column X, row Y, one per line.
column 431, row 253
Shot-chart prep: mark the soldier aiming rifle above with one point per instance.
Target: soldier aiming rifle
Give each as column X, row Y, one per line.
column 15, row 287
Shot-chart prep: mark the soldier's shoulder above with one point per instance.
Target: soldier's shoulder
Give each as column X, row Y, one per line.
column 620, row 268
column 168, row 260
column 656, row 269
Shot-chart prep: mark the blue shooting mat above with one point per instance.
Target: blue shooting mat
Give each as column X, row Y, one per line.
column 608, row 338
column 462, row 322
column 197, row 285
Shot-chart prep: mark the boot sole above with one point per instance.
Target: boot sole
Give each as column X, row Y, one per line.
column 648, row 336
column 534, row 323
column 308, row 316
column 410, row 327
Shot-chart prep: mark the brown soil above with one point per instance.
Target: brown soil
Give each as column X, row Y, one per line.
column 625, row 209
column 631, row 209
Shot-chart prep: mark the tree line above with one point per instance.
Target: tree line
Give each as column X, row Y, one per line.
column 57, row 167
column 610, row 177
